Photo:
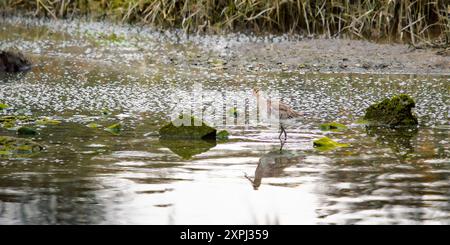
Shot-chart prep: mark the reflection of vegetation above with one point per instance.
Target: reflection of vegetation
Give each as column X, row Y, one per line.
column 325, row 144
column 186, row 149
column 273, row 164
column 223, row 135
column 398, row 139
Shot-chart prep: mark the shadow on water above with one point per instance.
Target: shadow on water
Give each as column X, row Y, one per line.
column 273, row 164
column 186, row 149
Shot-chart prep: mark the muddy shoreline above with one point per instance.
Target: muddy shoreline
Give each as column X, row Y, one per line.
column 235, row 54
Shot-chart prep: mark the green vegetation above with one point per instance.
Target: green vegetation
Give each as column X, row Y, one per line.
column 414, row 21
column 392, row 112
column 222, row 135
column 114, row 129
column 17, row 146
column 326, row 143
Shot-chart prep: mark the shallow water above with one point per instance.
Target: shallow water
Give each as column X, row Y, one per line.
column 89, row 176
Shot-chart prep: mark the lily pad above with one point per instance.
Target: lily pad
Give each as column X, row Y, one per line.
column 26, row 131
column 333, row 126
column 114, row 129
column 326, row 143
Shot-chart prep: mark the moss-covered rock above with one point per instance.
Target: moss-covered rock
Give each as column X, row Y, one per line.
column 326, row 143
column 186, row 127
column 222, row 135
column 18, row 146
column 333, row 126
column 26, row 131
column 392, row 112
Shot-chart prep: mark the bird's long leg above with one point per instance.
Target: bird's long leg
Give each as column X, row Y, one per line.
column 282, row 141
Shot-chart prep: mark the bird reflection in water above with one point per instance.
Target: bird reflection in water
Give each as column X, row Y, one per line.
column 273, row 164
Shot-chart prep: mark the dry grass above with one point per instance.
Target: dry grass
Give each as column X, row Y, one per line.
column 419, row 21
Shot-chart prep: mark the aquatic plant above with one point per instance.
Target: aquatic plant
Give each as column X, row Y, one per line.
column 413, row 21
column 17, row 146
column 114, row 129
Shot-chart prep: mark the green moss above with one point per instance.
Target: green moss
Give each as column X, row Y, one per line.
column 326, row 143
column 185, row 127
column 17, row 146
column 222, row 135
column 3, row 106
column 333, row 126
column 392, row 112
column 186, row 149
column 26, row 131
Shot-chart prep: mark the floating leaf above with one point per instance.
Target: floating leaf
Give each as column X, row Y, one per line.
column 93, row 125
column 114, row 129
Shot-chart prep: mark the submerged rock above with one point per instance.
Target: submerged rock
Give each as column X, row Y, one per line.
column 326, row 143
column 17, row 146
column 392, row 112
column 13, row 62
column 186, row 127
column 26, row 131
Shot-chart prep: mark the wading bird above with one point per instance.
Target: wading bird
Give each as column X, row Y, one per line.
column 284, row 112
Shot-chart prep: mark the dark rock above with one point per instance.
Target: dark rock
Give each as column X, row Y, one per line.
column 13, row 62
column 392, row 112
column 186, row 127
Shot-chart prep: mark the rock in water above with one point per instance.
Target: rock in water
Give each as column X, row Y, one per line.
column 13, row 62
column 392, row 112
column 187, row 127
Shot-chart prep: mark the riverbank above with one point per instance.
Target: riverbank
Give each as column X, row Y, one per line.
column 147, row 48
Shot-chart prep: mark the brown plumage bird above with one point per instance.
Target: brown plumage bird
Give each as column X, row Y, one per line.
column 285, row 112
